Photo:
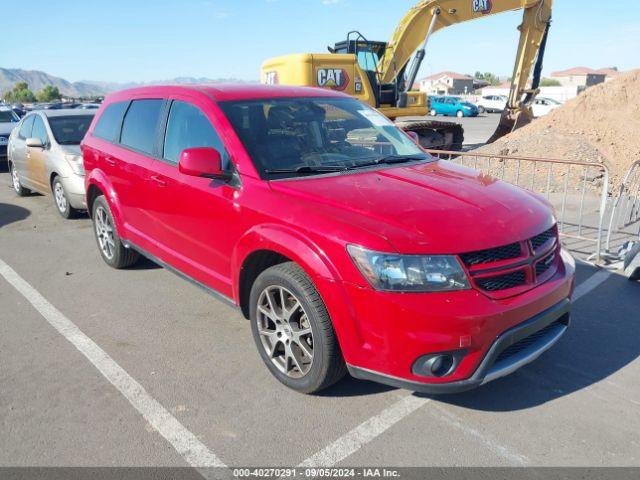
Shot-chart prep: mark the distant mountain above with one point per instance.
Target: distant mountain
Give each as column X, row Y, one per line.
column 37, row 80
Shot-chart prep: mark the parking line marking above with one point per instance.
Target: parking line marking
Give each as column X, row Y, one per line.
column 367, row 431
column 355, row 439
column 450, row 419
column 590, row 283
column 183, row 441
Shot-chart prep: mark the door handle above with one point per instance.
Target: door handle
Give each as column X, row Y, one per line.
column 159, row 180
column 110, row 161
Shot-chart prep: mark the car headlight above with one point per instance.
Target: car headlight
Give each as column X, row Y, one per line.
column 76, row 163
column 409, row 273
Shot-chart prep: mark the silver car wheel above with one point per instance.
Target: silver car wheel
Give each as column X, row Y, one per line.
column 61, row 199
column 285, row 331
column 104, row 232
column 15, row 179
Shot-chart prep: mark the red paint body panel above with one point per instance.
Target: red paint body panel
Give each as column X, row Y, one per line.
column 207, row 228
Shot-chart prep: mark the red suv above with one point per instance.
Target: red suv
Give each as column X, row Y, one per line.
column 347, row 246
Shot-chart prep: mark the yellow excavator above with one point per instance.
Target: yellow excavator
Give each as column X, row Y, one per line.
column 379, row 73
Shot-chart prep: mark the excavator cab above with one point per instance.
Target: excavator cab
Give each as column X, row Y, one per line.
column 368, row 54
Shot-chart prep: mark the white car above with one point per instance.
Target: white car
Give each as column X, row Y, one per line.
column 542, row 105
column 8, row 121
column 492, row 103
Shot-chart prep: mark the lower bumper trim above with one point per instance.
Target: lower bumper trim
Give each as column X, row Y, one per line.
column 554, row 321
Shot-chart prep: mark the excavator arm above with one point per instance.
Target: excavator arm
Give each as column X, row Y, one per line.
column 429, row 16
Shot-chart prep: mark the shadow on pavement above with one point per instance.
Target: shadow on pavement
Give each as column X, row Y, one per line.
column 12, row 213
column 602, row 339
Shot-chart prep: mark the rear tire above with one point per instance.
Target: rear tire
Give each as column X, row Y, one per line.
column 113, row 252
column 459, row 114
column 15, row 181
column 61, row 200
column 293, row 331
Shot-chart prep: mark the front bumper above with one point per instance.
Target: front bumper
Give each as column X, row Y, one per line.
column 513, row 349
column 383, row 334
column 74, row 188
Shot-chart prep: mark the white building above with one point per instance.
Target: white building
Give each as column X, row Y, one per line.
column 447, row 83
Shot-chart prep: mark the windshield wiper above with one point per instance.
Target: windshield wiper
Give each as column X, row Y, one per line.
column 390, row 159
column 307, row 169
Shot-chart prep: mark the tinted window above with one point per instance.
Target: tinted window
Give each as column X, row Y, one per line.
column 110, row 121
column 70, row 130
column 188, row 127
column 25, row 128
column 39, row 131
column 8, row 116
column 140, row 125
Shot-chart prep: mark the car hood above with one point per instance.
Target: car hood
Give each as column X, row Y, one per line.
column 6, row 128
column 435, row 207
column 71, row 149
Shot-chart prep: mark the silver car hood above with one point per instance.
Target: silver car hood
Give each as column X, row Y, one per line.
column 5, row 128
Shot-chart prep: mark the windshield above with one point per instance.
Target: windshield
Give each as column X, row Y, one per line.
column 8, row 116
column 287, row 137
column 70, row 130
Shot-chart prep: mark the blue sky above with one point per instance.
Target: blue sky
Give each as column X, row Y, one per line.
column 135, row 40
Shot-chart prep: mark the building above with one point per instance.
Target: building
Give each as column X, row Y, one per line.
column 447, row 83
column 581, row 77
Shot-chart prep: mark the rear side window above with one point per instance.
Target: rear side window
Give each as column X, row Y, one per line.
column 140, row 125
column 25, row 128
column 188, row 127
column 108, row 127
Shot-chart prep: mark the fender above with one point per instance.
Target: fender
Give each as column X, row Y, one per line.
column 98, row 178
column 301, row 249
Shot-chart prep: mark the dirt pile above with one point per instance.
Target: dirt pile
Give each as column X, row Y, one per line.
column 600, row 125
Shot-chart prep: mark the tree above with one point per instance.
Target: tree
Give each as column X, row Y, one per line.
column 20, row 94
column 49, row 94
column 549, row 82
column 488, row 77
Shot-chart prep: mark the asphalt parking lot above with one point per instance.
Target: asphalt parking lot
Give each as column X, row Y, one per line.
column 100, row 367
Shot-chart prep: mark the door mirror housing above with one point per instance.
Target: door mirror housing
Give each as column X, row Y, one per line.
column 202, row 162
column 34, row 143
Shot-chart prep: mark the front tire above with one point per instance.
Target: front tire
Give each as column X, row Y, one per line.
column 15, row 181
column 459, row 114
column 61, row 200
column 433, row 113
column 293, row 331
column 113, row 252
column 481, row 110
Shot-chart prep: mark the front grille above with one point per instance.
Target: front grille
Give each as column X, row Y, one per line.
column 502, row 282
column 539, row 240
column 489, row 255
column 527, row 341
column 544, row 265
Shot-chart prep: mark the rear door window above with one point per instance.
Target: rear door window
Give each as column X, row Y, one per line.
column 140, row 126
column 108, row 126
column 25, row 128
column 188, row 127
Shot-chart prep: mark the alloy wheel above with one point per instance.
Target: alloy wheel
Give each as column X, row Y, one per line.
column 104, row 232
column 61, row 199
column 14, row 178
column 285, row 331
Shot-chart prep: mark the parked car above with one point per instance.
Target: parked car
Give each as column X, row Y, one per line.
column 452, row 106
column 541, row 106
column 44, row 156
column 8, row 121
column 492, row 103
column 88, row 106
column 345, row 253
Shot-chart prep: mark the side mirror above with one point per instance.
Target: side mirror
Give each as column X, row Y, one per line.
column 34, row 143
column 202, row 162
